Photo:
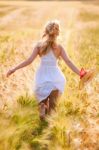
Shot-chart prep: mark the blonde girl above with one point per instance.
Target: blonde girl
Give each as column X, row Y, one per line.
column 49, row 80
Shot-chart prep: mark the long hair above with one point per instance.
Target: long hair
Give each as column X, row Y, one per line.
column 49, row 37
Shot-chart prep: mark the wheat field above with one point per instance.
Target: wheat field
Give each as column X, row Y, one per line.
column 74, row 125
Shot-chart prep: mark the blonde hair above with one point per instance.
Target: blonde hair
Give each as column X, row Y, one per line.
column 51, row 31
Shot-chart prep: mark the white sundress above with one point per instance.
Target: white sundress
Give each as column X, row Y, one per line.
column 48, row 77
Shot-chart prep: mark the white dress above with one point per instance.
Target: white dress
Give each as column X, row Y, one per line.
column 48, row 77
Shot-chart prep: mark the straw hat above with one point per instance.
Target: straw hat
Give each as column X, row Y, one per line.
column 89, row 75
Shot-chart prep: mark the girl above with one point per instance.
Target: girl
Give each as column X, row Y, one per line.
column 49, row 80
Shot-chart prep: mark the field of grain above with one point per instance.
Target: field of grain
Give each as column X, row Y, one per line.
column 75, row 123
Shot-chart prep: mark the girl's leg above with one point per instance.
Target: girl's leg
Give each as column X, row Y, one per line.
column 43, row 107
column 46, row 105
column 54, row 95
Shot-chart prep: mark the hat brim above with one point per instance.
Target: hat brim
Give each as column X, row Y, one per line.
column 87, row 78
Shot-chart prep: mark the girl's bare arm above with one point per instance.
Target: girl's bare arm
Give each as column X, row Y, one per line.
column 24, row 63
column 68, row 61
column 29, row 60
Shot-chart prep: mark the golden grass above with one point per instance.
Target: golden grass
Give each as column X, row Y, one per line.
column 74, row 123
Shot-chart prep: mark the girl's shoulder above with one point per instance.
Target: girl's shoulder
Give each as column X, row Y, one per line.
column 38, row 44
column 59, row 47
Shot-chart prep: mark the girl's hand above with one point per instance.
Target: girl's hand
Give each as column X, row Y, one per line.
column 82, row 73
column 10, row 72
